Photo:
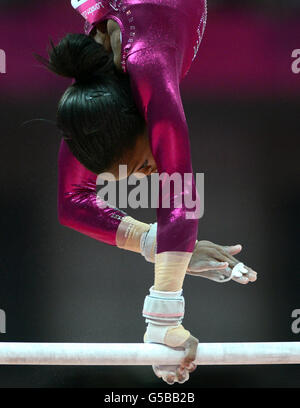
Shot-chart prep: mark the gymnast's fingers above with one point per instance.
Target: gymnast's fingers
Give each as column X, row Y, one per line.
column 190, row 345
column 171, row 374
column 197, row 265
column 180, row 376
column 252, row 275
column 249, row 276
column 231, row 249
column 176, row 373
column 221, row 255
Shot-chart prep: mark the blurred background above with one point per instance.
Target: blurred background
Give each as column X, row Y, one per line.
column 241, row 100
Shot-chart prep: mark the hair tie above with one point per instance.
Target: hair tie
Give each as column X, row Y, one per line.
column 97, row 94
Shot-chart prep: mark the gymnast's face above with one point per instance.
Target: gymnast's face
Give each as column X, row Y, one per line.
column 139, row 160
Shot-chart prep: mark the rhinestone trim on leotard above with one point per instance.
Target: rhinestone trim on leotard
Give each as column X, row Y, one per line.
column 200, row 31
column 117, row 5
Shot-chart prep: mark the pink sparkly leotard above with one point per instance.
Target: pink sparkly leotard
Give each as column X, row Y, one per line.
column 160, row 39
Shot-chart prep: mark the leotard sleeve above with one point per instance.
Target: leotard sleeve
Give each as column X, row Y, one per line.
column 79, row 207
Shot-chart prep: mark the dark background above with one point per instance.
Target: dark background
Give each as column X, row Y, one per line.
column 57, row 285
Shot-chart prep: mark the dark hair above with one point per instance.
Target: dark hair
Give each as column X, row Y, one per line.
column 97, row 114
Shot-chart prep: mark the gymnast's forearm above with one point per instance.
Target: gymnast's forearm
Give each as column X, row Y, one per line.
column 107, row 225
column 80, row 208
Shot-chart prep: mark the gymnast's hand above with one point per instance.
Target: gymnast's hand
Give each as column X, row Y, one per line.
column 178, row 373
column 164, row 312
column 211, row 261
column 208, row 260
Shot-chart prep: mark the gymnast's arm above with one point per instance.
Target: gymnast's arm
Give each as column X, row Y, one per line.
column 81, row 209
column 154, row 74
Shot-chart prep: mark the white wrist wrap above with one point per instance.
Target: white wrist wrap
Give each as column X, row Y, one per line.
column 162, row 310
column 148, row 243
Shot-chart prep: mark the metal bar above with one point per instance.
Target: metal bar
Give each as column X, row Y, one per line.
column 146, row 354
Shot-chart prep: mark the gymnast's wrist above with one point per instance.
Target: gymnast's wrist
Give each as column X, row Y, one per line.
column 170, row 270
column 148, row 244
column 129, row 234
column 164, row 312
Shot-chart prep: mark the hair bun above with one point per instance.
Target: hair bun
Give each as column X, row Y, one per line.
column 78, row 56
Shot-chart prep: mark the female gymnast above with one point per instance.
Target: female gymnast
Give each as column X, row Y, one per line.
column 124, row 107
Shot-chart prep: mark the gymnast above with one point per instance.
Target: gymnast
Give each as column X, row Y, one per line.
column 124, row 107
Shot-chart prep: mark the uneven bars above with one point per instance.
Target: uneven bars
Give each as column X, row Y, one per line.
column 146, row 354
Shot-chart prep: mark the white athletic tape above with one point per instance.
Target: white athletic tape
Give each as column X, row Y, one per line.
column 148, row 243
column 162, row 310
